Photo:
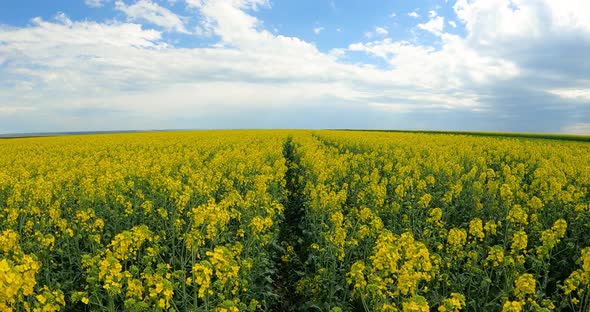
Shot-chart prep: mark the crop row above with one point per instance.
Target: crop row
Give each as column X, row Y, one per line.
column 415, row 222
column 140, row 221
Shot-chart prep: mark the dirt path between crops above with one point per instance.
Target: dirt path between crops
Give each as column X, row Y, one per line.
column 291, row 235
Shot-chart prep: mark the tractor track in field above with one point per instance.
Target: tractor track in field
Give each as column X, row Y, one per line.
column 291, row 234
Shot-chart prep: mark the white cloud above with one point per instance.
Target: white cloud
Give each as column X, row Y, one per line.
column 123, row 67
column 392, row 14
column 86, row 60
column 427, row 101
column 381, row 31
column 577, row 128
column 454, row 66
column 546, row 38
column 576, row 94
column 239, row 4
column 434, row 25
column 49, row 35
column 453, row 24
column 378, row 31
column 95, row 3
column 337, row 52
column 63, row 18
column 432, row 13
column 153, row 13
column 318, row 30
column 414, row 14
column 69, row 56
column 499, row 20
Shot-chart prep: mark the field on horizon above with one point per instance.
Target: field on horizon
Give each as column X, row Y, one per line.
column 294, row 220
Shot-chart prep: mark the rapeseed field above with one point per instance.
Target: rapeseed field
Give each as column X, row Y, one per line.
column 294, row 220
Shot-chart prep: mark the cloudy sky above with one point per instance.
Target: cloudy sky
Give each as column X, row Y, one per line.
column 493, row 65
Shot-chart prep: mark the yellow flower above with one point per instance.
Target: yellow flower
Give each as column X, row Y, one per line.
column 512, row 306
column 524, row 285
column 202, row 276
column 586, row 260
column 550, row 237
column 496, row 256
column 163, row 213
column 225, row 264
column 415, row 304
column 548, row 304
column 160, row 288
column 519, row 241
column 517, row 215
column 337, row 218
column 260, row 224
column 110, row 273
column 559, row 227
column 126, row 244
column 9, row 241
column 476, row 228
column 506, row 193
column 454, row 303
column 435, row 217
column 490, row 228
column 457, row 237
column 399, row 264
column 356, row 276
column 535, row 203
column 49, row 301
column 134, row 289
column 425, row 200
column 17, row 279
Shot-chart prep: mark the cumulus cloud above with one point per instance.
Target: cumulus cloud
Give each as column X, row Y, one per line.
column 381, row 31
column 378, row 31
column 547, row 41
column 455, row 65
column 413, row 14
column 153, row 13
column 516, row 69
column 95, row 3
column 524, row 62
column 548, row 36
column 93, row 64
column 318, row 30
column 435, row 25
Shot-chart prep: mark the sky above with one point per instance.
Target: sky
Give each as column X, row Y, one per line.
column 486, row 65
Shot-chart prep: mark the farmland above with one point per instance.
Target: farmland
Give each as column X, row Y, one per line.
column 294, row 220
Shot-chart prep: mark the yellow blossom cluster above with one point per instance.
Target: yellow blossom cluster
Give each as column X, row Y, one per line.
column 17, row 272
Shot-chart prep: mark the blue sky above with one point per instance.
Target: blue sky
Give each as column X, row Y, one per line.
column 492, row 65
